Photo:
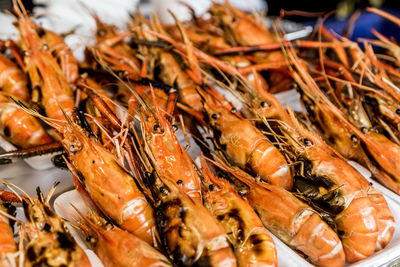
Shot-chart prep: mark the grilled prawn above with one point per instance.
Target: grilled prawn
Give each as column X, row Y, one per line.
column 247, row 147
column 108, row 183
column 253, row 245
column 49, row 241
column 187, row 229
column 292, row 221
column 117, row 247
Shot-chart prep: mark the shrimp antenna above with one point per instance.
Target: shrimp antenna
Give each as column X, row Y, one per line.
column 5, row 214
column 50, row 121
column 129, row 86
column 51, row 192
column 19, row 8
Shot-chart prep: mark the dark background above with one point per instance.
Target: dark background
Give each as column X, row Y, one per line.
column 274, row 7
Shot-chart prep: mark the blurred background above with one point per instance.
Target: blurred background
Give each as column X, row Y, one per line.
column 62, row 15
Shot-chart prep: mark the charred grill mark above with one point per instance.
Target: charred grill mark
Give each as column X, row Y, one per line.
column 49, row 212
column 26, row 207
column 30, row 253
column 316, row 179
column 331, row 202
column 164, row 217
column 7, row 132
column 66, row 241
column 257, row 240
column 234, row 214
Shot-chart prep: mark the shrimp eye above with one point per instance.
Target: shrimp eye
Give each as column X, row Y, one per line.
column 179, row 182
column 47, row 227
column 174, row 127
column 307, row 142
column 156, row 127
column 354, row 138
column 25, row 53
column 242, row 192
column 72, row 149
column 398, row 111
column 40, row 32
column 211, row 187
column 214, row 116
column 101, row 33
column 364, row 130
column 163, row 190
column 264, row 104
column 89, row 238
column 233, row 110
column 45, row 47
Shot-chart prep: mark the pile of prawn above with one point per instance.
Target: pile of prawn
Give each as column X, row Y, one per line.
column 263, row 168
